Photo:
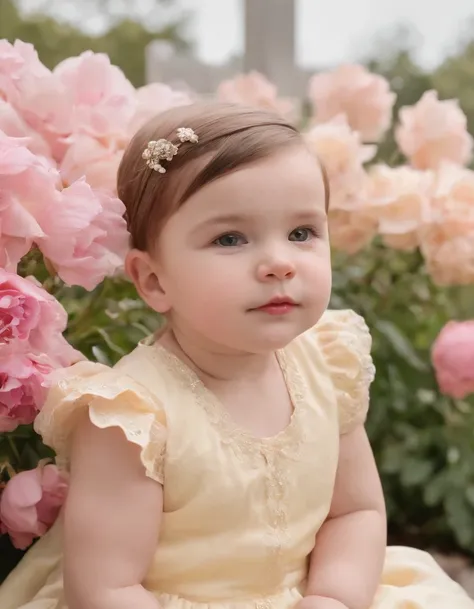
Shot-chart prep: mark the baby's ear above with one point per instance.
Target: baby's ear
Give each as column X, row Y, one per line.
column 143, row 271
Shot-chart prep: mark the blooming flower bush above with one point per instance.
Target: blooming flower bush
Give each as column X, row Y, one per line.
column 403, row 239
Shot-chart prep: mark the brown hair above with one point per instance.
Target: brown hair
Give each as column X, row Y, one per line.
column 230, row 136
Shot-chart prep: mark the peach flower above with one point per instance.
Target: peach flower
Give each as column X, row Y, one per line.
column 98, row 163
column 447, row 234
column 31, row 503
column 453, row 359
column 398, row 199
column 351, row 231
column 341, row 152
column 433, row 131
column 253, row 89
column 364, row 98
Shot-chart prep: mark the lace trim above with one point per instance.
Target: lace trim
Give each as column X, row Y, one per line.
column 113, row 401
column 273, row 451
column 346, row 342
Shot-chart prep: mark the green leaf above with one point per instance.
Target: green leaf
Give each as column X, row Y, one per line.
column 401, row 344
column 415, row 472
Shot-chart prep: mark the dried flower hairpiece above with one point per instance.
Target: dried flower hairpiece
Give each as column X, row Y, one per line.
column 164, row 150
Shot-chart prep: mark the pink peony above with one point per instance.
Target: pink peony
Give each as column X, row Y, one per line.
column 23, row 388
column 27, row 185
column 433, row 131
column 13, row 125
column 153, row 99
column 254, row 89
column 86, row 236
column 98, row 163
column 31, row 503
column 453, row 358
column 32, row 321
column 447, row 232
column 364, row 98
column 102, row 99
column 34, row 91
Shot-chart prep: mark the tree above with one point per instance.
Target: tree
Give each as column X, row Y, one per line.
column 125, row 42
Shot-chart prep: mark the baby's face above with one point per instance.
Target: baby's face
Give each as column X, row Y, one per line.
column 255, row 236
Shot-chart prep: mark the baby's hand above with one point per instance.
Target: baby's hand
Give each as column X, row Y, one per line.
column 320, row 602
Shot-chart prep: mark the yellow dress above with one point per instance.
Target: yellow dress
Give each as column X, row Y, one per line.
column 240, row 513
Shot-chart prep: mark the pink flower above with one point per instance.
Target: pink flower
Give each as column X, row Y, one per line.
column 453, row 359
column 23, row 388
column 351, row 231
column 98, row 163
column 27, row 184
column 341, row 152
column 447, row 232
column 32, row 321
column 31, row 503
column 102, row 99
column 86, row 236
column 364, row 98
column 13, row 125
column 153, row 99
column 434, row 131
column 43, row 102
column 254, row 89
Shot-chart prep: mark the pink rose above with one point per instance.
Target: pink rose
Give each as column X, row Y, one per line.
column 364, row 98
column 253, row 89
column 31, row 503
column 343, row 155
column 32, row 321
column 98, row 163
column 86, row 236
column 351, row 231
column 153, row 99
column 433, row 131
column 398, row 199
column 453, row 359
column 23, row 388
column 447, row 233
column 102, row 99
column 27, row 184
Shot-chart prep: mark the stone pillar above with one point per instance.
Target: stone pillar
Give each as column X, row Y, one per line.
column 270, row 40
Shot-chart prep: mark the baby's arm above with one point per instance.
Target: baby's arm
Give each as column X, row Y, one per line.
column 347, row 561
column 111, row 522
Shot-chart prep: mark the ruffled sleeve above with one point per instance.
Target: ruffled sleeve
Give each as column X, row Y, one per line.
column 114, row 400
column 345, row 342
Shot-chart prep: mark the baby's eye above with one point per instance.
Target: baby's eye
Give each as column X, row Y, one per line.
column 230, row 240
column 302, row 234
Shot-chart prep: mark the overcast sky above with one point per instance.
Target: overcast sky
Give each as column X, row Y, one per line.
column 328, row 31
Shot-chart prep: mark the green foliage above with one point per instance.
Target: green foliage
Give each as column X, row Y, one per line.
column 423, row 442
column 124, row 43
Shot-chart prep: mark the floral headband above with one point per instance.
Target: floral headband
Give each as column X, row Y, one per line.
column 164, row 150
